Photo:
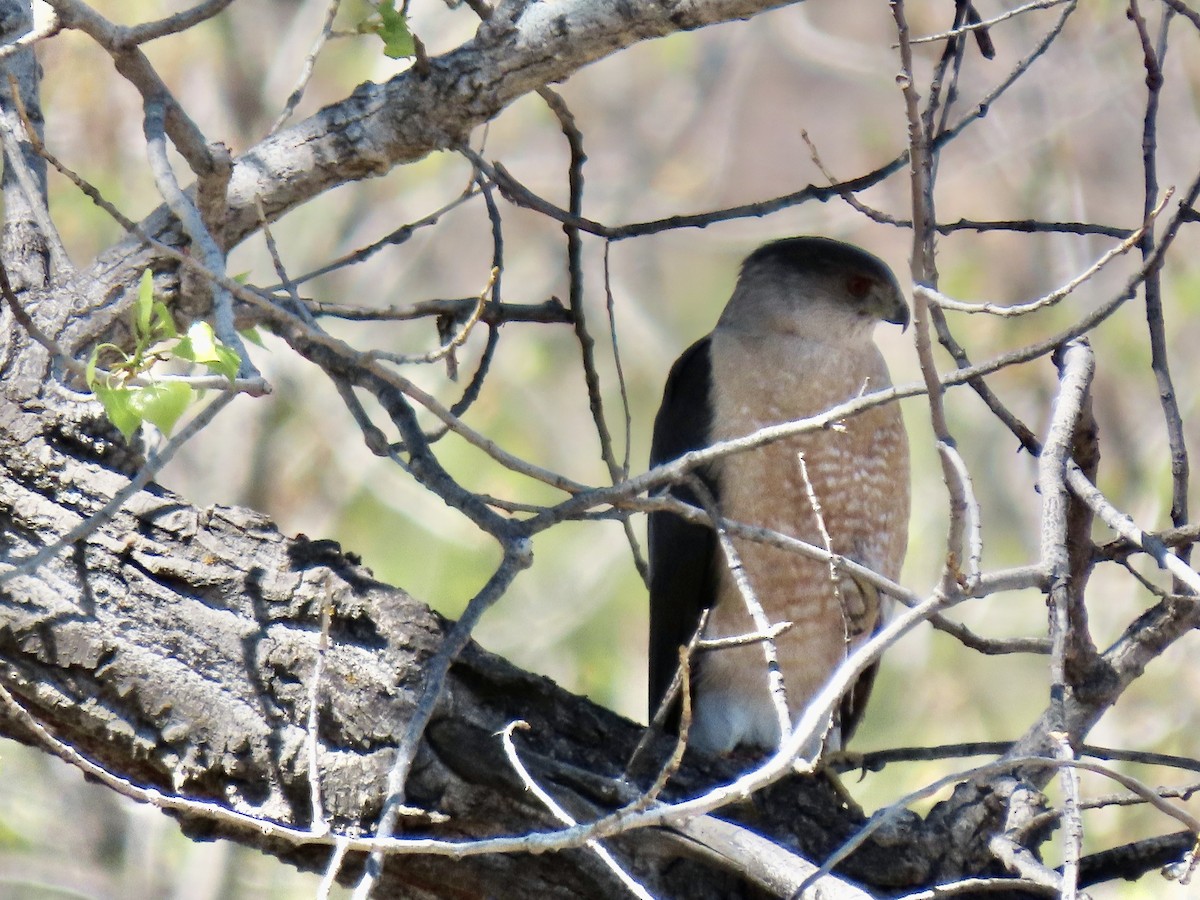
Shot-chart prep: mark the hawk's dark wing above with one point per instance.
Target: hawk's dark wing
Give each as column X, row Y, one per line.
column 682, row 572
column 854, row 702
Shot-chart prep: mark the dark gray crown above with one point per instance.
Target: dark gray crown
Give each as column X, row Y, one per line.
column 819, row 255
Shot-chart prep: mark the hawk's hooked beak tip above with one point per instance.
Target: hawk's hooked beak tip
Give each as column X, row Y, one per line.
column 901, row 316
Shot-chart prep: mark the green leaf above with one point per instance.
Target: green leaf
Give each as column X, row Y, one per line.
column 393, row 29
column 94, row 360
column 200, row 345
column 162, row 322
column 161, row 403
column 251, row 334
column 227, row 363
column 90, row 371
column 117, row 407
column 145, row 306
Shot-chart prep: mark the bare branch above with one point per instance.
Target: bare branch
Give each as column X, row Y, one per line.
column 1058, row 294
column 517, row 556
column 1184, row 10
column 212, row 256
column 1129, row 530
column 51, row 27
column 175, row 24
column 1068, row 620
column 762, row 625
column 134, row 66
column 984, row 24
column 924, row 272
column 310, row 63
column 510, row 750
column 977, row 886
column 457, row 338
column 1159, row 364
column 154, row 463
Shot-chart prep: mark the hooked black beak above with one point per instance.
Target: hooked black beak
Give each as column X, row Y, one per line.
column 899, row 313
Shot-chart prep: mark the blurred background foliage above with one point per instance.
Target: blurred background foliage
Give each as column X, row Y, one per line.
column 686, row 124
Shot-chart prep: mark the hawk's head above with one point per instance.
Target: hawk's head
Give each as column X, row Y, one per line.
column 814, row 287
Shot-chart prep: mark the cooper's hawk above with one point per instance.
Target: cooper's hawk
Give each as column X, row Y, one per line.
column 795, row 339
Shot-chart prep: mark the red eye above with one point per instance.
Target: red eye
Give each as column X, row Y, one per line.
column 858, row 285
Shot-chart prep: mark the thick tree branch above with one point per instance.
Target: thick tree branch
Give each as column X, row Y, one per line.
column 521, row 48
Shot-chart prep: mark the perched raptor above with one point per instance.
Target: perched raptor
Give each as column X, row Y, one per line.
column 795, row 339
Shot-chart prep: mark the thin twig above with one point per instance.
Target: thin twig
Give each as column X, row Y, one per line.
column 457, row 338
column 307, row 67
column 587, row 344
column 854, row 203
column 312, row 727
column 1029, row 226
column 175, row 24
column 1184, row 10
column 1125, row 526
column 211, row 254
column 517, row 556
column 517, row 193
column 635, row 550
column 680, row 686
column 741, row 640
column 510, row 752
column 547, row 312
column 975, row 887
column 814, row 503
column 924, row 272
column 87, row 188
column 1052, row 298
column 1118, row 548
column 293, row 295
column 972, row 513
column 333, row 867
column 154, row 463
column 942, row 94
column 1153, row 57
column 51, row 27
column 668, row 769
column 393, row 238
column 985, row 24
column 754, row 609
column 496, row 301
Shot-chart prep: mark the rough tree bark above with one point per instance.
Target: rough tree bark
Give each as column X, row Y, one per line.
column 176, row 646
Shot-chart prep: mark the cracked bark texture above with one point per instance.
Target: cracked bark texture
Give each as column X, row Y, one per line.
column 176, row 648
column 176, row 645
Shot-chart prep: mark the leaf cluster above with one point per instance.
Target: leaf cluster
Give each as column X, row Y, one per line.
column 392, row 28
column 130, row 389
